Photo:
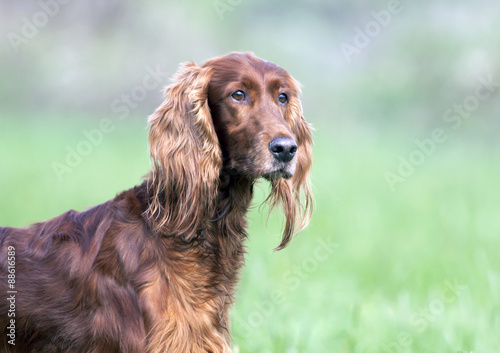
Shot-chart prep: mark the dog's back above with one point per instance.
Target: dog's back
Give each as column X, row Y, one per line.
column 60, row 278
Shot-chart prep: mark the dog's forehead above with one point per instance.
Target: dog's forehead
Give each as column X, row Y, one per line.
column 244, row 70
column 238, row 64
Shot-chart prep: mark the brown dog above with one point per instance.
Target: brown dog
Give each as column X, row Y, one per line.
column 155, row 269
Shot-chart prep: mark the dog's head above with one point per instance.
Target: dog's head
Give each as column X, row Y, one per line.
column 236, row 112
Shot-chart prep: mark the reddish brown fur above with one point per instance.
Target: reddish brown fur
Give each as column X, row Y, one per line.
column 155, row 269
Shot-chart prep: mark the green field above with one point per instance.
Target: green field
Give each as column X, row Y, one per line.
column 377, row 270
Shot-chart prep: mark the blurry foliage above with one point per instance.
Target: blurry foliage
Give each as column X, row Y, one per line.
column 427, row 58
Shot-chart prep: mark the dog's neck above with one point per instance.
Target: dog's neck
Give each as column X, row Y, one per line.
column 234, row 199
column 234, row 194
column 228, row 221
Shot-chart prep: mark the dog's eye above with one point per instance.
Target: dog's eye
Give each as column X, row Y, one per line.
column 282, row 98
column 239, row 95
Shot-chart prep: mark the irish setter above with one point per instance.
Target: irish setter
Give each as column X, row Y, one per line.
column 156, row 268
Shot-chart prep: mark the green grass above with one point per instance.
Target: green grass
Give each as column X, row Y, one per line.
column 384, row 284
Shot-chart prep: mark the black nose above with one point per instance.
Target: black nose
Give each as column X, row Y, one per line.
column 283, row 148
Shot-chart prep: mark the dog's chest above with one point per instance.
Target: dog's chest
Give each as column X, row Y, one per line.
column 190, row 292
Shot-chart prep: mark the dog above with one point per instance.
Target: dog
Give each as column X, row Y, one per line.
column 156, row 268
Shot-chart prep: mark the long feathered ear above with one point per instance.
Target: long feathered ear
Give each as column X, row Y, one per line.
column 295, row 194
column 186, row 157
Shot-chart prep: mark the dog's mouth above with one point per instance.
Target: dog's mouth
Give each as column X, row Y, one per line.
column 284, row 172
column 279, row 170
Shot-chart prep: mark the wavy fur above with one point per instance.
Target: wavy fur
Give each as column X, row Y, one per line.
column 186, row 156
column 156, row 268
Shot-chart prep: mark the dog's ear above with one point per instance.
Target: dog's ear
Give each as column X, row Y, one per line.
column 185, row 154
column 295, row 194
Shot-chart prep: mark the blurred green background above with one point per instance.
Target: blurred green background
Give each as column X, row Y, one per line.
column 402, row 251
